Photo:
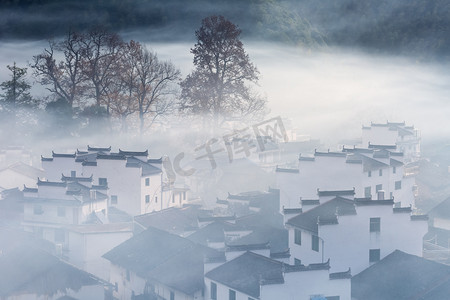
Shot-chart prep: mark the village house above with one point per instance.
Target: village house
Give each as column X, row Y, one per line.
column 367, row 171
column 136, row 184
column 403, row 138
column 353, row 232
column 251, row 276
column 159, row 264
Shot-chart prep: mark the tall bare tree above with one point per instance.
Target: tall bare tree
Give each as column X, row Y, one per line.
column 155, row 85
column 219, row 85
column 64, row 77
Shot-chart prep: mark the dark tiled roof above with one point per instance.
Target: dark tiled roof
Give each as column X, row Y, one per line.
column 341, row 275
column 133, row 153
column 392, row 147
column 51, row 183
column 159, row 256
column 283, row 170
column 367, row 202
column 246, row 272
column 357, row 150
column 306, row 158
column 175, row 220
column 288, row 211
column 29, row 190
column 310, row 202
column 30, row 270
column 336, row 193
column 213, row 232
column 326, row 211
column 330, row 154
column 99, row 148
column 89, row 163
column 398, row 210
column 276, row 238
column 46, row 158
column 111, row 156
column 77, row 179
column 216, row 218
column 247, row 247
column 147, row 169
column 155, row 160
column 402, row 276
column 63, row 155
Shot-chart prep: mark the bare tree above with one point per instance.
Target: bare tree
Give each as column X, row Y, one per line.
column 218, row 86
column 63, row 78
column 155, row 85
column 101, row 52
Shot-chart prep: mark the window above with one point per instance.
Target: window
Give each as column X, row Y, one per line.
column 172, row 295
column 380, row 172
column 213, row 291
column 394, row 170
column 297, row 262
column 375, row 224
column 37, row 210
column 369, row 174
column 379, row 187
column 184, row 195
column 61, row 211
column 173, row 198
column 231, row 295
column 113, row 199
column 116, row 286
column 398, row 185
column 102, row 181
column 374, row 255
column 367, row 192
column 147, row 198
column 59, row 235
column 297, row 237
column 315, row 243
column 147, row 181
column 156, row 199
column 73, row 173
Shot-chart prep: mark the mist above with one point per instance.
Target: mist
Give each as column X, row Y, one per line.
column 326, row 94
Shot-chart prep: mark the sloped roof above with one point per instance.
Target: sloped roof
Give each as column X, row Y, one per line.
column 213, row 232
column 326, row 211
column 25, row 267
column 442, row 210
column 245, row 273
column 147, row 169
column 402, row 276
column 163, row 257
column 25, row 170
column 174, row 219
column 278, row 239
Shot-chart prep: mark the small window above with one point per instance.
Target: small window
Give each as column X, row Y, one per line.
column 369, row 174
column 184, row 195
column 374, row 255
column 59, row 235
column 37, row 210
column 147, row 181
column 172, row 295
column 231, row 295
column 61, row 211
column 380, row 172
column 156, row 199
column 398, row 185
column 213, row 291
column 375, row 224
column 298, row 237
column 73, row 173
column 114, row 199
column 147, row 198
column 297, row 262
column 102, row 181
column 379, row 187
column 367, row 192
column 394, row 170
column 173, row 198
column 315, row 243
column 116, row 286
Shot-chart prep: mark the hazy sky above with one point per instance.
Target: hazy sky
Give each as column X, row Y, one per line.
column 327, row 94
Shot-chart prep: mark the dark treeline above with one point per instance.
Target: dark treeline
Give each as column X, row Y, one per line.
column 416, row 27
